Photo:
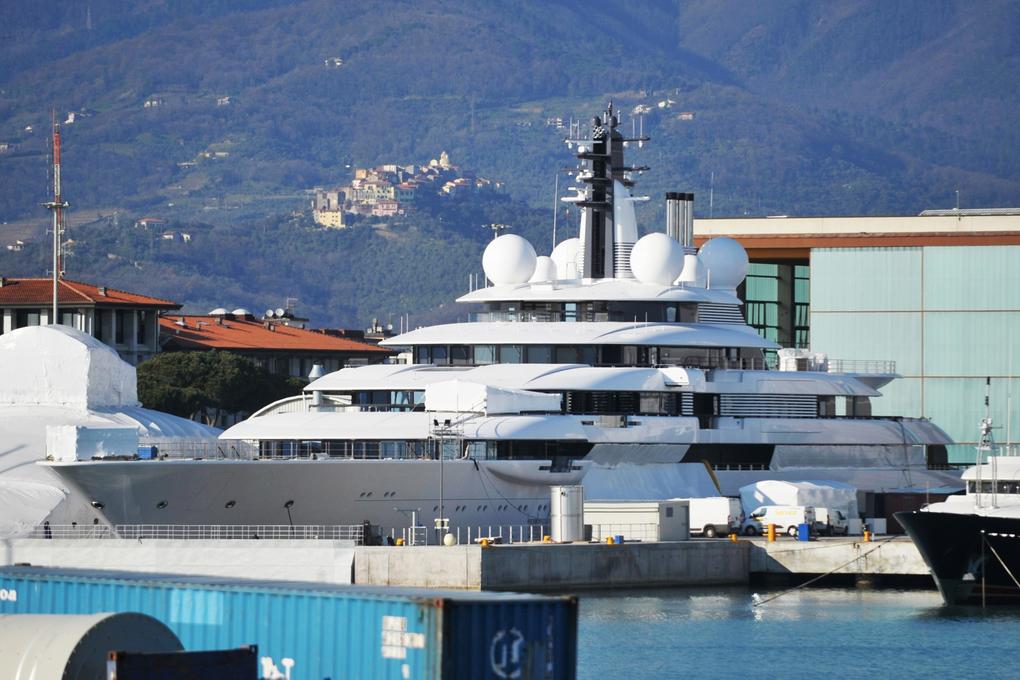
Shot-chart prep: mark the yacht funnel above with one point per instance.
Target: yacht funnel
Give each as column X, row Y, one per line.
column 680, row 218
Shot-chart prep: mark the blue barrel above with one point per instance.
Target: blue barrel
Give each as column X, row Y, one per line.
column 618, row 539
column 804, row 532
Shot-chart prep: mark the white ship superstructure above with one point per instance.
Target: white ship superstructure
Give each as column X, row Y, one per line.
column 621, row 362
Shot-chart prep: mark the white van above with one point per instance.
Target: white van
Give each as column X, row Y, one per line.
column 831, row 522
column 715, row 516
column 785, row 517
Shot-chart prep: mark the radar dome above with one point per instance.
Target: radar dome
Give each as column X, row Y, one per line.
column 657, row 258
column 565, row 256
column 726, row 261
column 545, row 269
column 509, row 259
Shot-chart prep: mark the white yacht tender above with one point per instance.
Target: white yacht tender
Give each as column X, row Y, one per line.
column 619, row 362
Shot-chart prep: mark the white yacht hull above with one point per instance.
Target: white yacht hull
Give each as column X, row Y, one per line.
column 385, row 492
column 382, row 493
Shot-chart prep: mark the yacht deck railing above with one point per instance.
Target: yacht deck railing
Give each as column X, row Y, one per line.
column 324, row 532
column 869, row 366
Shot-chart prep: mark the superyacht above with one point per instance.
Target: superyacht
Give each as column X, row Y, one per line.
column 971, row 542
column 619, row 362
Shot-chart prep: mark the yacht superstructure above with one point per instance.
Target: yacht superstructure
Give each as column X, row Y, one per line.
column 619, row 361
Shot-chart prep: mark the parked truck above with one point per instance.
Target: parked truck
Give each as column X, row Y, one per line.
column 715, row 516
column 786, row 518
column 831, row 522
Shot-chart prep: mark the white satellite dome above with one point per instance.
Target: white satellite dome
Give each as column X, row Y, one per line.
column 240, row 311
column 509, row 259
column 219, row 311
column 545, row 269
column 657, row 258
column 726, row 261
column 566, row 256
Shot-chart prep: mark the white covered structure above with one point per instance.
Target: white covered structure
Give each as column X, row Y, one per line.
column 461, row 396
column 65, row 394
column 819, row 494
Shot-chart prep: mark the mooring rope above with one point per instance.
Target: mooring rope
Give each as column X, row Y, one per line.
column 881, row 543
column 992, row 548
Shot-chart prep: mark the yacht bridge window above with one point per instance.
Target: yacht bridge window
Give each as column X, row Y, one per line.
column 388, row 400
column 990, row 486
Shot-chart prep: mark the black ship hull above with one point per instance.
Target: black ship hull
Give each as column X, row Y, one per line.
column 973, row 558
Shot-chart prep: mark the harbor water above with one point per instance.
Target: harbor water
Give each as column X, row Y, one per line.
column 810, row 633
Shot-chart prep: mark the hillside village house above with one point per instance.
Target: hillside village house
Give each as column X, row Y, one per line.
column 388, row 190
column 127, row 322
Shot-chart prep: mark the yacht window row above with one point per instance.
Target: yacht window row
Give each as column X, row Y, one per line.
column 426, row 449
column 990, row 486
column 617, row 402
column 592, row 355
column 593, row 311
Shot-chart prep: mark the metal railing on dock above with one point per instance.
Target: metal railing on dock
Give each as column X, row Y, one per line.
column 508, row 534
column 630, row 532
column 353, row 532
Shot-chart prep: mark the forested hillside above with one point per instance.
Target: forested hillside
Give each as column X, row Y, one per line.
column 798, row 107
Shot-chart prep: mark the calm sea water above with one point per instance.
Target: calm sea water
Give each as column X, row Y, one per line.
column 809, row 633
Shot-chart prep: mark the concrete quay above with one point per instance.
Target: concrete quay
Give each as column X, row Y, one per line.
column 317, row 561
column 556, row 567
column 522, row 567
column 885, row 556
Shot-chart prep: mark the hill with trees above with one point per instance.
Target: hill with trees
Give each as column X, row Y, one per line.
column 219, row 116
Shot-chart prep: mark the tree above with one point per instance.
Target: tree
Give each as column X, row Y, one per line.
column 205, row 385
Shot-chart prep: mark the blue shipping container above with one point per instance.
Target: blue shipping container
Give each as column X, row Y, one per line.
column 330, row 632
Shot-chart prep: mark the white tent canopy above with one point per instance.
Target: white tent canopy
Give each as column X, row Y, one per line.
column 819, row 494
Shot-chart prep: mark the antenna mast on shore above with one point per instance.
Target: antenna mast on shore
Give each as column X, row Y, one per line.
column 57, row 206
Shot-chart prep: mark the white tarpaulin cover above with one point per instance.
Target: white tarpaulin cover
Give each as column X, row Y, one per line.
column 25, row 505
column 459, row 396
column 59, row 365
column 627, row 482
column 819, row 494
column 57, row 377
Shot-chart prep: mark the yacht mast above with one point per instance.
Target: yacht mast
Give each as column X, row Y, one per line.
column 602, row 168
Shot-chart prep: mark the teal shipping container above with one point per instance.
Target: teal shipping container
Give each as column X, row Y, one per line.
column 321, row 631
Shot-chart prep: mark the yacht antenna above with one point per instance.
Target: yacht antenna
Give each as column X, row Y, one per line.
column 711, row 195
column 985, row 446
column 57, row 206
column 556, row 202
column 496, row 228
column 1009, row 404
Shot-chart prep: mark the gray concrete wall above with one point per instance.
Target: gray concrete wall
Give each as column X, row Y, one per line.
column 290, row 560
column 886, row 556
column 419, row 566
column 554, row 567
column 559, row 567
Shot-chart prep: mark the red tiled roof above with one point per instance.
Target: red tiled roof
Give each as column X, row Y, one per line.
column 240, row 334
column 40, row 292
